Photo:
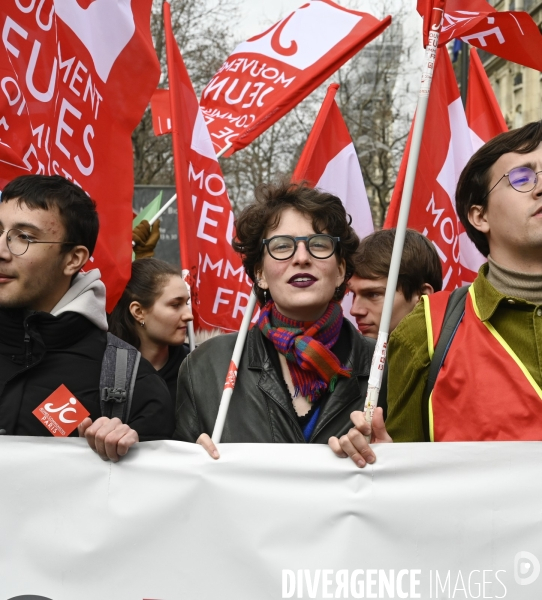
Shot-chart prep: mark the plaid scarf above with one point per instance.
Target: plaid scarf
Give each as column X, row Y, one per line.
column 306, row 346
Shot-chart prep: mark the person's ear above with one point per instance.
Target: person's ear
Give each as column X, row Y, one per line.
column 342, row 272
column 75, row 260
column 477, row 218
column 261, row 280
column 137, row 311
column 427, row 290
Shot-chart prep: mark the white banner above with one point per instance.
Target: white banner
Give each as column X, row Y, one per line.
column 269, row 522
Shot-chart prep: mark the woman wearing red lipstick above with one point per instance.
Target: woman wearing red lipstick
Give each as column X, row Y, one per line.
column 304, row 368
column 152, row 315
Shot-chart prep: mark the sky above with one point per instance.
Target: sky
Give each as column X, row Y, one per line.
column 257, row 14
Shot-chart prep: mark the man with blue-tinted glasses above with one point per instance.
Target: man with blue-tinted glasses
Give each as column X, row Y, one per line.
column 486, row 380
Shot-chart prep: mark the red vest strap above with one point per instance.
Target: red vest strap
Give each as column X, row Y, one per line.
column 437, row 306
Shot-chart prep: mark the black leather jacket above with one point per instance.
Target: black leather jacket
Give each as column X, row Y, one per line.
column 261, row 408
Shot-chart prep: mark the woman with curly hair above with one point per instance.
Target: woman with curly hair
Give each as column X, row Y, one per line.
column 304, row 367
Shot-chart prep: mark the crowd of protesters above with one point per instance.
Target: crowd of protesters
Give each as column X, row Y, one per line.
column 462, row 367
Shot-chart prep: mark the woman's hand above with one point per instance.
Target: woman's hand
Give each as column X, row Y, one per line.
column 354, row 444
column 205, row 441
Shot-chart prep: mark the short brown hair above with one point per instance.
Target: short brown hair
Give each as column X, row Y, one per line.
column 325, row 210
column 473, row 184
column 419, row 264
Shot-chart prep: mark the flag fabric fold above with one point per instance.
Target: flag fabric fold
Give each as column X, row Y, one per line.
column 269, row 74
column 443, row 156
column 219, row 286
column 69, row 105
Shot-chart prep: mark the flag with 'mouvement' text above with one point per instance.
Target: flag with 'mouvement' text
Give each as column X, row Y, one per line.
column 269, row 74
column 68, row 106
column 447, row 144
column 330, row 163
column 219, row 287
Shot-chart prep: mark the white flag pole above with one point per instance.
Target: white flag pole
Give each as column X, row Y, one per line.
column 161, row 212
column 231, row 377
column 190, row 325
column 380, row 352
column 163, row 209
column 224, row 150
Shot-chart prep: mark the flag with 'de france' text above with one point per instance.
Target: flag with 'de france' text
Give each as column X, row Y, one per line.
column 269, row 74
column 75, row 78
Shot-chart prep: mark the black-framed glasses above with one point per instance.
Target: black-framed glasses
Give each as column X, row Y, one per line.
column 18, row 241
column 522, row 179
column 283, row 247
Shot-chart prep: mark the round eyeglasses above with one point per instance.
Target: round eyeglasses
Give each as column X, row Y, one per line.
column 522, row 179
column 18, row 241
column 283, row 247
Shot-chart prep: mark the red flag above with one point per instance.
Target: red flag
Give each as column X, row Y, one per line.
column 68, row 106
column 220, row 289
column 329, row 162
column 269, row 74
column 446, row 148
column 483, row 111
column 161, row 112
column 432, row 12
column 512, row 35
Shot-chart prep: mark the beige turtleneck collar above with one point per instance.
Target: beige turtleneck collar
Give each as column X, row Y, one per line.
column 512, row 283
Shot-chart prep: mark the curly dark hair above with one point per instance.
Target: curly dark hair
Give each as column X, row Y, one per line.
column 473, row 184
column 326, row 212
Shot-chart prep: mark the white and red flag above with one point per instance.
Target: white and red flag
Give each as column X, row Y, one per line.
column 269, row 74
column 330, row 163
column 69, row 104
column 219, row 286
column 512, row 35
column 484, row 114
column 447, row 145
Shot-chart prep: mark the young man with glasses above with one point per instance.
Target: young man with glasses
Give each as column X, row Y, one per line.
column 52, row 318
column 489, row 386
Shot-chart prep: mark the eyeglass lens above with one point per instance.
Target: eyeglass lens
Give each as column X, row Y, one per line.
column 522, row 179
column 17, row 241
column 282, row 247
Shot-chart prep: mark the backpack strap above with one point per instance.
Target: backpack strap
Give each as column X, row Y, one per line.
column 455, row 309
column 117, row 378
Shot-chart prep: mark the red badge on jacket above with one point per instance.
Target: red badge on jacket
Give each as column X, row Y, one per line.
column 61, row 412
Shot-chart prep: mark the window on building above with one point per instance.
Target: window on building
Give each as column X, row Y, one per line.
column 518, row 78
column 518, row 117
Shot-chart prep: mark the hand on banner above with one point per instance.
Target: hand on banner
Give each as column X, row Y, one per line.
column 145, row 238
column 109, row 438
column 354, row 444
column 205, row 441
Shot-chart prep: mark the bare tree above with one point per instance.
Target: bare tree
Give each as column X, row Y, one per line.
column 374, row 101
column 204, row 32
